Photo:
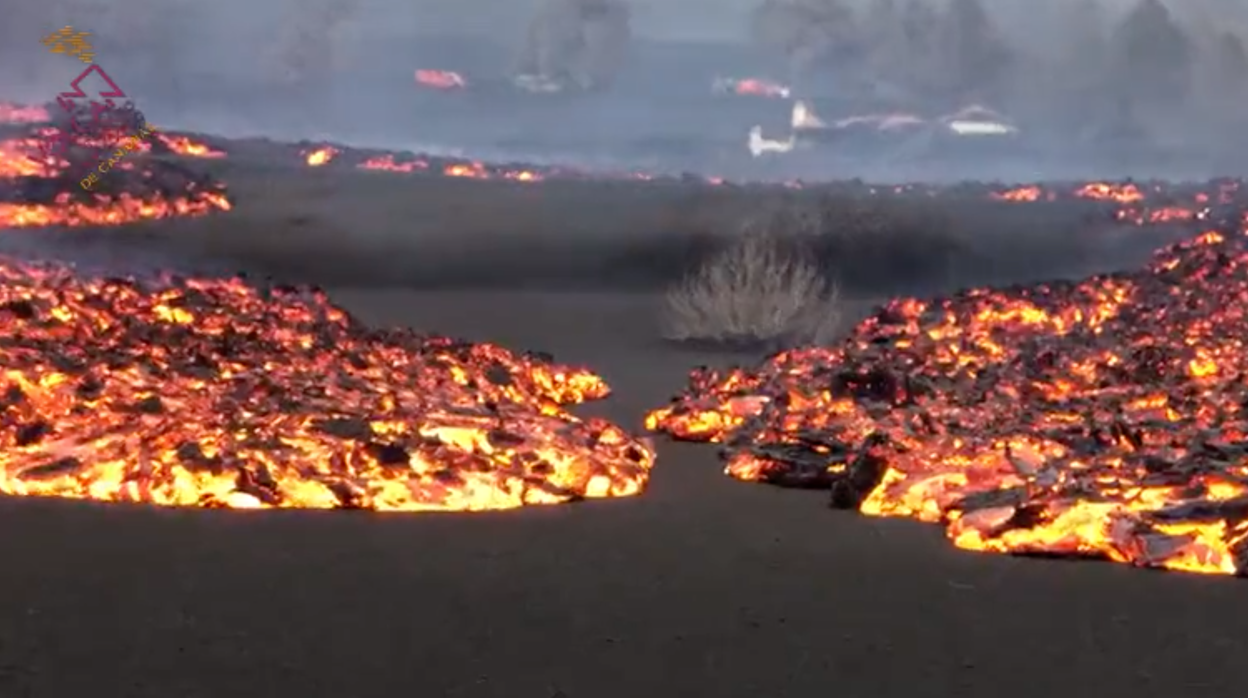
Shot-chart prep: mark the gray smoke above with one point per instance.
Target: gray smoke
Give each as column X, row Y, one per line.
column 1174, row 70
column 344, row 68
column 581, row 41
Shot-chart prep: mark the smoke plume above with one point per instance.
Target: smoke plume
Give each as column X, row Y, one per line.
column 1089, row 66
column 581, row 41
column 1168, row 71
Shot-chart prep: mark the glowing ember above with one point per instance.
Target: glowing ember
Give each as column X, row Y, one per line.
column 320, row 156
column 1105, row 419
column 214, row 394
column 440, row 79
column 16, row 114
column 183, row 145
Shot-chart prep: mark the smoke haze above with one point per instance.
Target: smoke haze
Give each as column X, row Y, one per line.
column 342, row 69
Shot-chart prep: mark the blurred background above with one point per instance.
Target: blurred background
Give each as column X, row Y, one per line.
column 1146, row 85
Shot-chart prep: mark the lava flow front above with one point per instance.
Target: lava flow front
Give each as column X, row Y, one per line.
column 1106, row 418
column 215, row 394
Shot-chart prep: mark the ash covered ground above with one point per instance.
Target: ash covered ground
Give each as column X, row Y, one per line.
column 700, row 585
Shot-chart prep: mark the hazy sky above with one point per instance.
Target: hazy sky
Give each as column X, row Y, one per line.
column 709, row 19
column 668, row 18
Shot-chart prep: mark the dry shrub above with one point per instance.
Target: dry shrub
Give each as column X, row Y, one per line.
column 757, row 292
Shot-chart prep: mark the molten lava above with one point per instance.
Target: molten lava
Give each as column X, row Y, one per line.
column 183, row 145
column 1122, row 193
column 1153, row 203
column 387, row 163
column 321, row 156
column 38, row 190
column 440, row 79
column 215, row 394
column 20, row 158
column 470, row 169
column 753, row 87
column 16, row 114
column 1025, row 193
column 1106, row 418
column 106, row 209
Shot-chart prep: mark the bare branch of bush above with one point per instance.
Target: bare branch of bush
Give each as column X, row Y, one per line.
column 756, row 292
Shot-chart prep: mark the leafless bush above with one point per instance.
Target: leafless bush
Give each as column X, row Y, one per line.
column 756, row 292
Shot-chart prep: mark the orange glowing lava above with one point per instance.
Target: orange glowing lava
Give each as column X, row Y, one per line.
column 183, row 145
column 753, row 87
column 479, row 170
column 215, row 394
column 1106, row 418
column 762, row 88
column 16, row 114
column 21, row 158
column 387, row 163
column 1027, row 193
column 109, row 210
column 1121, row 193
column 466, row 169
column 440, row 79
column 321, row 156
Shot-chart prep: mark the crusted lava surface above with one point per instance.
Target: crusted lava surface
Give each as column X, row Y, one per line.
column 213, row 393
column 1104, row 418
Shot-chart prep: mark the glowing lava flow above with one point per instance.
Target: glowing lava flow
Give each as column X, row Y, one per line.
column 1106, row 418
column 320, row 156
column 108, row 209
column 387, row 163
column 131, row 191
column 183, row 145
column 440, row 79
column 16, row 114
column 1026, row 193
column 17, row 159
column 468, row 169
column 215, row 394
